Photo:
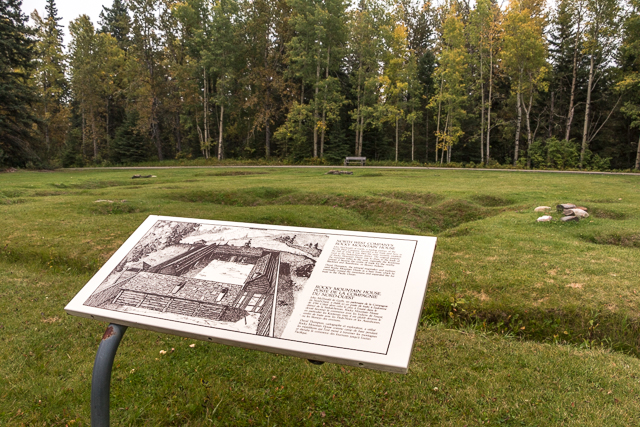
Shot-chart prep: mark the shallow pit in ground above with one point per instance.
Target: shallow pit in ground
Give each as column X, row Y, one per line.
column 244, row 197
column 93, row 185
column 426, row 199
column 231, row 173
column 626, row 239
column 7, row 201
column 606, row 214
column 573, row 325
column 489, row 201
column 113, row 207
column 420, row 218
column 11, row 193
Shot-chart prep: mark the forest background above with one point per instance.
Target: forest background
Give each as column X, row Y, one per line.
column 520, row 83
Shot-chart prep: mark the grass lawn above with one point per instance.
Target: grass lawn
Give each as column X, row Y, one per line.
column 525, row 323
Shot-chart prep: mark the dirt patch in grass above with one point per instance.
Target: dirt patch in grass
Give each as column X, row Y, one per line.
column 427, row 199
column 491, row 201
column 231, row 173
column 606, row 214
column 628, row 240
column 113, row 208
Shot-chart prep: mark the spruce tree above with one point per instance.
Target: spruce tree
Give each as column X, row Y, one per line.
column 129, row 145
column 54, row 29
column 116, row 21
column 16, row 50
column 50, row 80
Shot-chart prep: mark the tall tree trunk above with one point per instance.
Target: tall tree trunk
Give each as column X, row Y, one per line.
column 84, row 134
column 47, row 142
column 426, row 136
column 397, row 138
column 527, row 112
column 301, row 104
column 178, row 133
column 205, row 113
column 481, row 107
column 94, row 138
column 315, row 112
column 155, row 129
column 220, row 133
column 358, row 113
column 519, row 123
column 267, row 139
column 413, row 145
column 107, row 124
column 438, row 122
column 324, row 105
column 266, row 106
column 587, row 110
column 322, row 132
column 550, row 129
column 361, row 135
column 446, row 129
column 267, row 132
column 486, row 161
column 573, row 83
column 638, row 156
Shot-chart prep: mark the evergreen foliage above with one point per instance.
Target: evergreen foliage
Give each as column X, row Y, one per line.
column 16, row 95
column 129, row 145
column 116, row 21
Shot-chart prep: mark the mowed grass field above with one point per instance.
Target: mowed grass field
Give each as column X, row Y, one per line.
column 524, row 323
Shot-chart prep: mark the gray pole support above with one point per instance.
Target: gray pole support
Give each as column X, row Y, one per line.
column 101, row 379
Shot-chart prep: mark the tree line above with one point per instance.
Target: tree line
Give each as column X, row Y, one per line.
column 520, row 83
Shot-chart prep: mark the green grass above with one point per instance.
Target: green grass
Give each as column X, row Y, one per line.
column 525, row 323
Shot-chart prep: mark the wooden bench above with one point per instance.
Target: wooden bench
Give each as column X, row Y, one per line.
column 360, row 160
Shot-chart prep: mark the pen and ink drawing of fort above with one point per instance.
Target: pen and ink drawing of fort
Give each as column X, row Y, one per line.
column 228, row 277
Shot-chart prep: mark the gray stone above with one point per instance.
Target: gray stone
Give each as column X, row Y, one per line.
column 564, row 206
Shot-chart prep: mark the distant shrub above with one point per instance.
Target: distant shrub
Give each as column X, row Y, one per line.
column 554, row 153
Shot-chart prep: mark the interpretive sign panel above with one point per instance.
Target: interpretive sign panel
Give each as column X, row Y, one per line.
column 337, row 296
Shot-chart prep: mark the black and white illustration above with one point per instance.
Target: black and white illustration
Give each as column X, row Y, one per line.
column 229, row 277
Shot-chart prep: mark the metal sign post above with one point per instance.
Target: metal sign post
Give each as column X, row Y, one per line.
column 101, row 377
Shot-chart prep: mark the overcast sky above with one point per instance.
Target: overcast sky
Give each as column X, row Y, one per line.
column 69, row 10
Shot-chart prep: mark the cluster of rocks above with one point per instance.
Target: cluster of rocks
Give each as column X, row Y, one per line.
column 337, row 172
column 570, row 211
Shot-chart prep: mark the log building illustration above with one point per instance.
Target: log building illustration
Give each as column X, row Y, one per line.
column 171, row 287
